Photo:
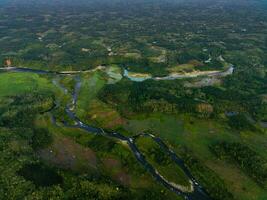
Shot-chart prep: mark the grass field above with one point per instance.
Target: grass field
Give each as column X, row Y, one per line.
column 23, row 83
column 168, row 127
column 91, row 84
column 91, row 109
column 197, row 135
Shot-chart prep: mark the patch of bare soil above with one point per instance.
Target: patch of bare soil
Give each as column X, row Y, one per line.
column 111, row 163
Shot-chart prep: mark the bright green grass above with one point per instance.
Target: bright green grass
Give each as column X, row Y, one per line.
column 23, row 83
column 91, row 84
column 197, row 135
column 168, row 127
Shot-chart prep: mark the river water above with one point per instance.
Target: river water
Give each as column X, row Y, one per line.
column 198, row 192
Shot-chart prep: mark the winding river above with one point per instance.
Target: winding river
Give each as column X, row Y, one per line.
column 138, row 77
column 196, row 193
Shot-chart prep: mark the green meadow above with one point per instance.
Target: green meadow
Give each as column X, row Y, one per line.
column 23, row 83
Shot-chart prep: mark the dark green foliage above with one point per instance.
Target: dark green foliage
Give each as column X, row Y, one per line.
column 23, row 109
column 248, row 160
column 212, row 183
column 20, row 115
column 240, row 122
column 148, row 194
column 51, row 182
column 215, row 65
column 40, row 175
column 101, row 143
column 158, row 156
column 41, row 138
column 158, row 35
column 149, row 96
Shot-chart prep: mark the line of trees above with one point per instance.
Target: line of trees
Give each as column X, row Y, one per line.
column 245, row 158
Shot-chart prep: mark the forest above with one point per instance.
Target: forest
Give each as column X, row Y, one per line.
column 160, row 81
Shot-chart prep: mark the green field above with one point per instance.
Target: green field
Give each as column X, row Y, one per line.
column 90, row 108
column 192, row 73
column 160, row 160
column 197, row 135
column 23, row 83
column 91, row 84
column 168, row 127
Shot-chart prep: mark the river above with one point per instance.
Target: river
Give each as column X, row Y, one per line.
column 136, row 77
column 197, row 193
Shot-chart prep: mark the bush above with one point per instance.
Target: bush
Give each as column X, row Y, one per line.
column 41, row 138
column 240, row 122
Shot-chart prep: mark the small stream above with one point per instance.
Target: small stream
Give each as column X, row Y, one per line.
column 197, row 193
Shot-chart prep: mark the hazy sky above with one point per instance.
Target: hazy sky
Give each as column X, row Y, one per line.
column 99, row 3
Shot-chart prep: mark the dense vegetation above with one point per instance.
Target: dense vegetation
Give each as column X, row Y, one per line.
column 26, row 173
column 220, row 121
column 214, row 185
column 247, row 159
